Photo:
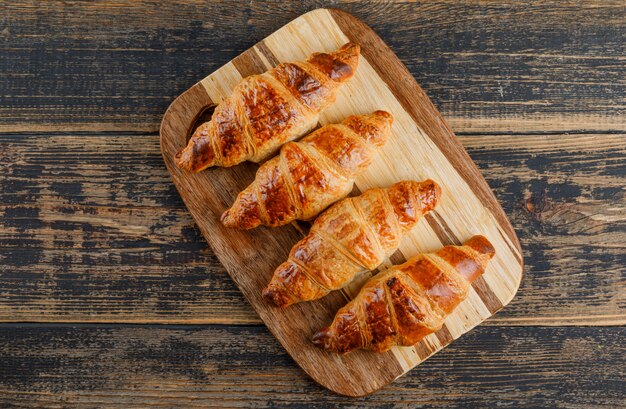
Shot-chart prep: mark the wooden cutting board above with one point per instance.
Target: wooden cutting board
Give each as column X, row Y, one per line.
column 422, row 146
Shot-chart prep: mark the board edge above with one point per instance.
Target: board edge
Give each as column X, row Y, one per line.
column 191, row 117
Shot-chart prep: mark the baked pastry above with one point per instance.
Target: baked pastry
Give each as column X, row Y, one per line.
column 353, row 236
column 269, row 109
column 309, row 175
column 403, row 304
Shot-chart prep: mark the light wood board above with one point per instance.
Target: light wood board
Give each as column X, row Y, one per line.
column 422, row 146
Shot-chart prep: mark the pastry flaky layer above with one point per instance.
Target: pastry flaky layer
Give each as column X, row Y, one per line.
column 403, row 304
column 309, row 175
column 355, row 235
column 264, row 111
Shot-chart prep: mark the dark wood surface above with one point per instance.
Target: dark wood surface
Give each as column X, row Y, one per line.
column 244, row 366
column 93, row 233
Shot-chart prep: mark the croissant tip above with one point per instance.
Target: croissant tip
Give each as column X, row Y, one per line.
column 276, row 297
column 231, row 219
column 226, row 219
column 482, row 245
column 436, row 188
column 323, row 340
column 384, row 115
column 185, row 159
column 353, row 47
column 430, row 193
column 181, row 160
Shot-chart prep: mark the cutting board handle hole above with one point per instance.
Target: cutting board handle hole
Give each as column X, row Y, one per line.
column 204, row 115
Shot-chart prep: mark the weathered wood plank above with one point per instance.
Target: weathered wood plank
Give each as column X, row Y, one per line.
column 510, row 66
column 91, row 230
column 52, row 366
column 565, row 195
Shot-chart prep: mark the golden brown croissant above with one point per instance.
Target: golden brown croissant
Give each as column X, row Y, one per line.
column 269, row 109
column 402, row 305
column 309, row 175
column 353, row 236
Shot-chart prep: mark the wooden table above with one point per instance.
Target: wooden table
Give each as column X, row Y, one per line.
column 109, row 296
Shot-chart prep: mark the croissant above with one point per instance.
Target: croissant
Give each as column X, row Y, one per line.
column 309, row 175
column 353, row 236
column 269, row 109
column 402, row 305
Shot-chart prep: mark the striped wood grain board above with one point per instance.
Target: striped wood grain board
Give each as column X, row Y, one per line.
column 422, row 146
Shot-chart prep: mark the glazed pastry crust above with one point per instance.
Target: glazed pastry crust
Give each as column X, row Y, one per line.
column 309, row 175
column 269, row 109
column 355, row 235
column 403, row 304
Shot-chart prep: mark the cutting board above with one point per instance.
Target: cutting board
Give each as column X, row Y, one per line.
column 422, row 146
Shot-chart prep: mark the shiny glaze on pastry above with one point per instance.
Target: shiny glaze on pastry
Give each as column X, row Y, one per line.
column 309, row 175
column 355, row 235
column 403, row 304
column 269, row 109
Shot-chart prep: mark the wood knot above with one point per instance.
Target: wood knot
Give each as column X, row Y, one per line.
column 537, row 205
